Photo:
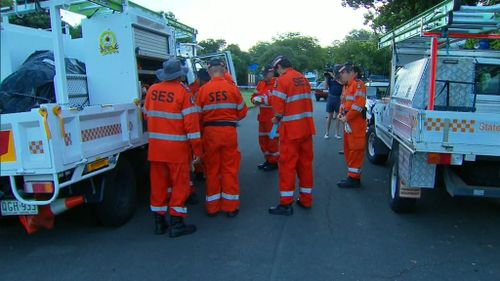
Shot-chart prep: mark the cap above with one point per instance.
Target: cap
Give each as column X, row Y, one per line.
column 277, row 60
column 215, row 62
column 268, row 68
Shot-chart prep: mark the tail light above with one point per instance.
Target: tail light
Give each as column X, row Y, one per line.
column 439, row 158
column 39, row 187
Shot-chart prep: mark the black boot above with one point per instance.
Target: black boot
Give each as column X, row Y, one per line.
column 283, row 210
column 192, row 199
column 179, row 228
column 270, row 167
column 302, row 205
column 233, row 213
column 161, row 224
column 349, row 183
column 262, row 165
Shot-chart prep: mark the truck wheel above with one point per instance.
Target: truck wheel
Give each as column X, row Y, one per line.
column 398, row 204
column 119, row 195
column 376, row 151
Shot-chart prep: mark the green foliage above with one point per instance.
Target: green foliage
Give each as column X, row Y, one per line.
column 241, row 60
column 360, row 47
column 212, row 46
column 304, row 52
column 36, row 20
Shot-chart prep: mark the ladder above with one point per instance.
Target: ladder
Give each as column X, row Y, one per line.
column 445, row 19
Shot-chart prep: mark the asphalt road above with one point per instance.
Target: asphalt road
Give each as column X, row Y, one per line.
column 348, row 235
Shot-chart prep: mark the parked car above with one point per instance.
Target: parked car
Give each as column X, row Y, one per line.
column 321, row 92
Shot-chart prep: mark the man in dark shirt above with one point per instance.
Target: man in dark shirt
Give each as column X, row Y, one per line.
column 333, row 102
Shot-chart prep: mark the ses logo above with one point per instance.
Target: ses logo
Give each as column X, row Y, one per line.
column 107, row 43
column 489, row 127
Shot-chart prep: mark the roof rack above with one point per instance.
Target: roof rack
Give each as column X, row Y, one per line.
column 90, row 7
column 449, row 19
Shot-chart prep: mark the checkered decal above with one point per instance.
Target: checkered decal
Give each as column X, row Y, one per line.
column 456, row 125
column 36, row 147
column 101, row 132
column 67, row 139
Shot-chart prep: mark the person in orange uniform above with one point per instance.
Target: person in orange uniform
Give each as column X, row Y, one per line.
column 202, row 79
column 174, row 133
column 262, row 99
column 222, row 106
column 292, row 105
column 354, row 125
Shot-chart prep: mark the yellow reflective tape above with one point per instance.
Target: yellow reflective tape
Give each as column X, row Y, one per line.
column 139, row 109
column 57, row 112
column 43, row 113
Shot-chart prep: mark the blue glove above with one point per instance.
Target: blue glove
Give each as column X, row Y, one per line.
column 274, row 131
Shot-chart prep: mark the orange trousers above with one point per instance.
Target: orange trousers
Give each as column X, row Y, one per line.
column 354, row 147
column 222, row 163
column 296, row 159
column 269, row 147
column 162, row 176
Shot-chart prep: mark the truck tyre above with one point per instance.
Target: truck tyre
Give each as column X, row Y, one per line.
column 398, row 204
column 119, row 195
column 376, row 151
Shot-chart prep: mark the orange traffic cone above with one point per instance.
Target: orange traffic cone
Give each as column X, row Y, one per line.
column 46, row 214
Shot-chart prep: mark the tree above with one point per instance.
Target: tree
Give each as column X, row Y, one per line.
column 212, row 46
column 384, row 15
column 304, row 52
column 360, row 47
column 241, row 60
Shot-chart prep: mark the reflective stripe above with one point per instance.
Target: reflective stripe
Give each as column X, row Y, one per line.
column 193, row 109
column 169, row 189
column 193, row 136
column 241, row 105
column 159, row 209
column 354, row 170
column 360, row 94
column 297, row 116
column 168, row 137
column 357, row 108
column 265, row 106
column 350, row 98
column 272, row 154
column 230, row 197
column 306, row 190
column 298, row 97
column 166, row 115
column 261, row 134
column 279, row 95
column 180, row 210
column 266, row 100
column 278, row 115
column 213, row 197
column 220, row 106
column 286, row 193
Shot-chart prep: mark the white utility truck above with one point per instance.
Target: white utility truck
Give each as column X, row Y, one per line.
column 442, row 118
column 88, row 144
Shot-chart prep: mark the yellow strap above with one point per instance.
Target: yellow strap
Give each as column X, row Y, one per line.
column 57, row 112
column 139, row 109
column 43, row 113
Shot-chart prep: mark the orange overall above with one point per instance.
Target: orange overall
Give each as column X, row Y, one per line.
column 269, row 147
column 354, row 143
column 292, row 105
column 222, row 106
column 174, row 135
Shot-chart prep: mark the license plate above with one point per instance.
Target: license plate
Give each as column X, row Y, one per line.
column 14, row 208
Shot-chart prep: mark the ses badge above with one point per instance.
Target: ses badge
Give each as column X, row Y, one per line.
column 107, row 43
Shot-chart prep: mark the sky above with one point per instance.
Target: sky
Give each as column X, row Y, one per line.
column 247, row 22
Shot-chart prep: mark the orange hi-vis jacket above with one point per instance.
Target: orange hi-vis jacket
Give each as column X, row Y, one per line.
column 194, row 87
column 354, row 101
column 173, row 124
column 292, row 104
column 264, row 90
column 220, row 100
column 228, row 77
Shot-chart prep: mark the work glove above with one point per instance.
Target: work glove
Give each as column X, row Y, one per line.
column 347, row 128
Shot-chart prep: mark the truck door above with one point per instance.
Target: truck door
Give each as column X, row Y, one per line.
column 199, row 62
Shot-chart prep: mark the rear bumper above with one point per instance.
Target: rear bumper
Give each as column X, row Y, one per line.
column 457, row 187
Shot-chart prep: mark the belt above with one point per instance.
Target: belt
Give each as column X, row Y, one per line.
column 220, row 124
